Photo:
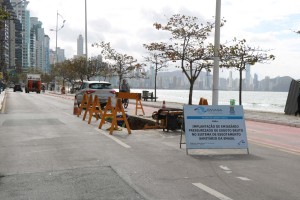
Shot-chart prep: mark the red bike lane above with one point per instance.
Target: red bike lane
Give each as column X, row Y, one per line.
column 283, row 137
column 286, row 138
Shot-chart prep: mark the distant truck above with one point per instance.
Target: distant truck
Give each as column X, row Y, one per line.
column 33, row 83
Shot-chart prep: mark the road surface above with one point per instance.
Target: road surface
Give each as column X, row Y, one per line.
column 48, row 153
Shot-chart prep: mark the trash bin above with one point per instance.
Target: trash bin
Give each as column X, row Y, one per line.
column 145, row 94
column 232, row 102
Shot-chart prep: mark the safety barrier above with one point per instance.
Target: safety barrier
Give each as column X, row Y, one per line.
column 112, row 108
column 91, row 106
column 136, row 96
column 114, row 105
column 88, row 106
column 83, row 104
column 95, row 109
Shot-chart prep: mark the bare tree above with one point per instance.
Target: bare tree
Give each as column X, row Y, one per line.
column 80, row 67
column 239, row 54
column 160, row 62
column 122, row 65
column 187, row 46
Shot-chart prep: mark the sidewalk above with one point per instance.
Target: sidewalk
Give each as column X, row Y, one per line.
column 259, row 116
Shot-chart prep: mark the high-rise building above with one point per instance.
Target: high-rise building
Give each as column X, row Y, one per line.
column 230, row 81
column 23, row 14
column 47, row 68
column 10, row 41
column 80, row 45
column 248, row 76
column 60, row 55
column 39, row 54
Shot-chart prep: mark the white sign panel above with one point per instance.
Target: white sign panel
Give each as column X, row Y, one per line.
column 215, row 127
column 33, row 76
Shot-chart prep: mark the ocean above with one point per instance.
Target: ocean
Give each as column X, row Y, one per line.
column 261, row 101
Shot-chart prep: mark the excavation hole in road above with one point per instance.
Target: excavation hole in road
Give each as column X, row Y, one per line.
column 135, row 123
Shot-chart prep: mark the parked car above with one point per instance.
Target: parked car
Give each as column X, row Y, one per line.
column 18, row 87
column 102, row 89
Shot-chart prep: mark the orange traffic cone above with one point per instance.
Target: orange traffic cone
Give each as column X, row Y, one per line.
column 75, row 109
column 164, row 104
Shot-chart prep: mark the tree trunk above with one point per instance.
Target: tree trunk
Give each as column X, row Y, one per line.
column 155, row 84
column 191, row 94
column 240, row 88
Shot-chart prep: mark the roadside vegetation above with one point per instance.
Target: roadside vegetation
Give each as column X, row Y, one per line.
column 188, row 48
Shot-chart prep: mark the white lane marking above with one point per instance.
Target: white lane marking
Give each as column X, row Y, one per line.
column 109, row 136
column 212, row 191
column 114, row 139
column 224, row 168
column 244, row 178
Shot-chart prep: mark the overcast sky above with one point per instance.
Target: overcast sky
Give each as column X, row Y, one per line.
column 127, row 24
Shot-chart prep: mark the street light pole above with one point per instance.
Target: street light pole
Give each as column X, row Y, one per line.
column 56, row 33
column 56, row 30
column 86, row 47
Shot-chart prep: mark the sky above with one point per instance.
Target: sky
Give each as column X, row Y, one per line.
column 127, row 25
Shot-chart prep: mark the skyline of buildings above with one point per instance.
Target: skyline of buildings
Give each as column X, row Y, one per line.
column 23, row 42
column 177, row 80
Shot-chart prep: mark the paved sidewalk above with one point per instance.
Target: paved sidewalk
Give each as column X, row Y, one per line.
column 260, row 116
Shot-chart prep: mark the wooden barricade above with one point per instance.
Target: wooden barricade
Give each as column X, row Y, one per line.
column 83, row 104
column 95, row 109
column 108, row 112
column 88, row 107
column 115, row 110
column 136, row 96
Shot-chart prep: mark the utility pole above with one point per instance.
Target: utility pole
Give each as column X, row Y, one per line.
column 86, row 47
column 215, row 95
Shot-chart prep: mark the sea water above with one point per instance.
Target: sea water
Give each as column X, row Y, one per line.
column 251, row 100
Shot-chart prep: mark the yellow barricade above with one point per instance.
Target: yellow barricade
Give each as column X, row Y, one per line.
column 115, row 109
column 83, row 104
column 95, row 109
column 88, row 107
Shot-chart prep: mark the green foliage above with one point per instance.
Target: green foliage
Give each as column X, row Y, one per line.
column 159, row 60
column 239, row 54
column 187, row 48
column 4, row 15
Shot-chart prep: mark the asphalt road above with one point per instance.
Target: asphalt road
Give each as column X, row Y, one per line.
column 48, row 153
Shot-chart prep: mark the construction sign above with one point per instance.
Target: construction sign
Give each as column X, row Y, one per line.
column 215, row 127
